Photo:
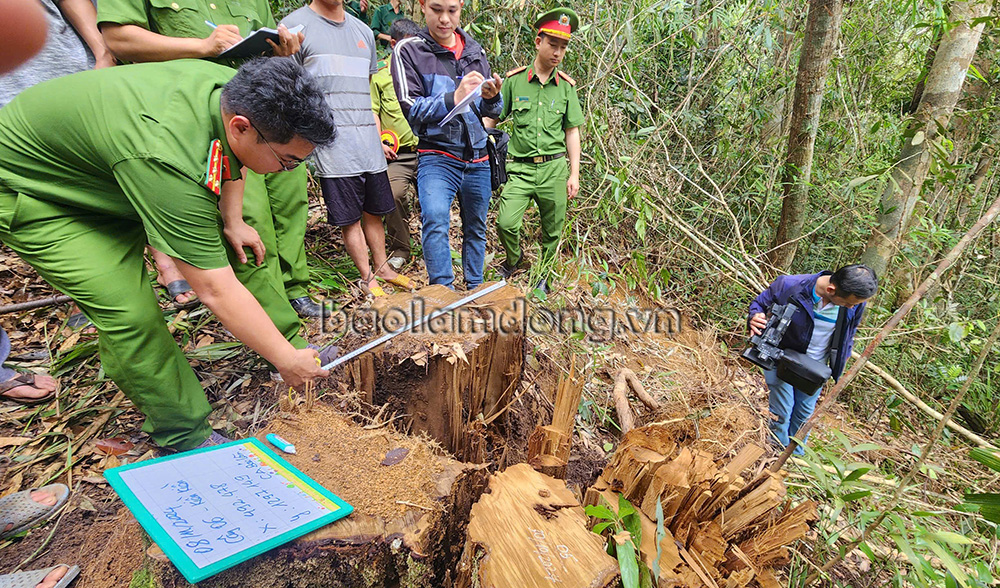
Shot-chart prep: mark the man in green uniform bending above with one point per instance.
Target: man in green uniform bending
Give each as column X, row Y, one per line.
column 276, row 206
column 547, row 119
column 144, row 153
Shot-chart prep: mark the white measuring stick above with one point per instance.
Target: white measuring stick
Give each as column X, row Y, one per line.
column 372, row 345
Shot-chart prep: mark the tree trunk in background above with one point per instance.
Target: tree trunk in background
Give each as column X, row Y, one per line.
column 822, row 32
column 942, row 89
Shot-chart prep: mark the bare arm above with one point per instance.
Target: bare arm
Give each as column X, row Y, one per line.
column 573, row 152
column 134, row 43
column 235, row 229
column 240, row 312
column 82, row 16
column 490, row 123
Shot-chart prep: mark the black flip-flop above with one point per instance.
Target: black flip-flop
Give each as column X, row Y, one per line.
column 178, row 287
column 77, row 320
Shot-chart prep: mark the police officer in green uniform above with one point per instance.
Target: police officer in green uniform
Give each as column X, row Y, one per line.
column 276, row 206
column 95, row 165
column 544, row 142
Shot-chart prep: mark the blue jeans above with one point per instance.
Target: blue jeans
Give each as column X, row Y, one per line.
column 789, row 409
column 439, row 178
column 5, row 373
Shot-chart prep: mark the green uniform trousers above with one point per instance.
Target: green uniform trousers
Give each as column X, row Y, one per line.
column 289, row 211
column 97, row 260
column 402, row 175
column 543, row 183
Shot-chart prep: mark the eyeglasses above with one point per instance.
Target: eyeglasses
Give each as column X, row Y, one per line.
column 284, row 166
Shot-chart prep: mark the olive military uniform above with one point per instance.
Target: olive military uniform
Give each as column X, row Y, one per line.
column 542, row 113
column 276, row 205
column 383, row 17
column 126, row 160
column 402, row 170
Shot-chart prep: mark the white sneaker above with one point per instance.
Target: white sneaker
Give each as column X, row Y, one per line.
column 396, row 262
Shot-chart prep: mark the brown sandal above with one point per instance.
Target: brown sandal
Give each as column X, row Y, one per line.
column 23, row 380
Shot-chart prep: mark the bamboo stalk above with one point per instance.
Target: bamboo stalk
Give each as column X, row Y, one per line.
column 927, row 409
column 905, row 309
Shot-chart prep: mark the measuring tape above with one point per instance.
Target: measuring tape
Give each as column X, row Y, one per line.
column 413, row 324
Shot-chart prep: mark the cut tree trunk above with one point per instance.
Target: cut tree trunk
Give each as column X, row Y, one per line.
column 418, row 545
column 942, row 89
column 719, row 529
column 549, row 447
column 458, row 369
column 822, row 32
column 530, row 531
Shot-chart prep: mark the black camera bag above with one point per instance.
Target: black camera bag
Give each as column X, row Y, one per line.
column 803, row 372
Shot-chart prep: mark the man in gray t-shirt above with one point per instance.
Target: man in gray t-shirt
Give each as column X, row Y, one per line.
column 73, row 44
column 339, row 51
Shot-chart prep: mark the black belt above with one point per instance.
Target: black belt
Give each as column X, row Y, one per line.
column 538, row 158
column 408, row 149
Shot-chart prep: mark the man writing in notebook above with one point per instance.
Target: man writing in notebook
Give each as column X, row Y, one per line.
column 275, row 205
column 432, row 72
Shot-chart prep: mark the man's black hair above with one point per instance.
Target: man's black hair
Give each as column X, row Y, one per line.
column 402, row 28
column 856, row 280
column 281, row 100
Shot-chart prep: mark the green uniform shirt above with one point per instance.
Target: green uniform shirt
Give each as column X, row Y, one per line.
column 353, row 7
column 383, row 17
column 541, row 112
column 186, row 18
column 130, row 142
column 386, row 107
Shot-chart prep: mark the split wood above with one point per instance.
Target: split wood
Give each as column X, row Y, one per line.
column 623, row 380
column 905, row 309
column 549, row 447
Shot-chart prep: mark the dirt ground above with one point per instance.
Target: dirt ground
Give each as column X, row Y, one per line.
column 712, row 401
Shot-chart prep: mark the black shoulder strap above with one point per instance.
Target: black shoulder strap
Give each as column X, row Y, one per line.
column 837, row 341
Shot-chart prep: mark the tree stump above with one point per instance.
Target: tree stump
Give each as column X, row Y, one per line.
column 530, row 531
column 407, row 521
column 457, row 369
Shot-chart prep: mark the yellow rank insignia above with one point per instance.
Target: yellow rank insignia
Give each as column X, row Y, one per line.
column 213, row 168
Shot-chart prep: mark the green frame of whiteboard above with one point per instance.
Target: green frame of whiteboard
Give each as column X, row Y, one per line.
column 181, row 561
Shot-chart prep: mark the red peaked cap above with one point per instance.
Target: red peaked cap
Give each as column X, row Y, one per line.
column 560, row 22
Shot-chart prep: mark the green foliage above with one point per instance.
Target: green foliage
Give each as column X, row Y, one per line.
column 624, row 540
column 988, row 503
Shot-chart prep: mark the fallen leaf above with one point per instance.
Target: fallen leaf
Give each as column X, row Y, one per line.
column 94, row 480
column 622, row 537
column 204, row 340
column 459, row 352
column 154, row 552
column 85, row 503
column 8, row 441
column 69, row 342
column 395, row 456
column 115, row 446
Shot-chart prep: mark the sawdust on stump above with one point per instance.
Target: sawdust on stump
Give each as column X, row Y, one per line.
column 113, row 554
column 347, row 460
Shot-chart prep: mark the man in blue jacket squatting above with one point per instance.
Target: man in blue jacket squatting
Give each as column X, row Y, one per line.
column 823, row 300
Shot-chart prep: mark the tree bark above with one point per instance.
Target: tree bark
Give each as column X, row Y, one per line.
column 822, row 32
column 942, row 89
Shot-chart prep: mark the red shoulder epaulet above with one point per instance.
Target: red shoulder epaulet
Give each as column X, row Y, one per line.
column 515, row 71
column 566, row 77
